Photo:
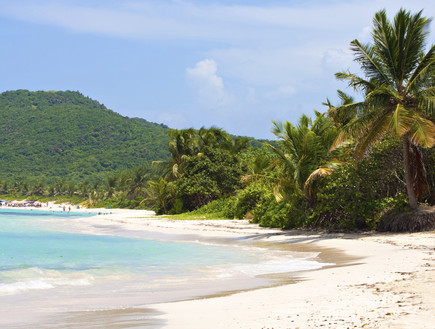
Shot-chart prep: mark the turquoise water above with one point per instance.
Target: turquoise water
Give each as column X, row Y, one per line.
column 34, row 256
column 49, row 267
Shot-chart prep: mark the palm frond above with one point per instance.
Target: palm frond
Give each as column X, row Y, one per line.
column 345, row 98
column 422, row 131
column 284, row 188
column 382, row 94
column 315, row 175
column 354, row 81
column 375, row 131
column 385, row 45
column 365, row 55
column 427, row 106
column 419, row 75
column 341, row 115
column 327, row 103
column 412, row 31
column 401, row 120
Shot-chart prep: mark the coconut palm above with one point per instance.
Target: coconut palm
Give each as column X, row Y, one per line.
column 398, row 90
column 138, row 182
column 182, row 143
column 161, row 194
column 212, row 137
column 302, row 154
column 341, row 118
column 218, row 138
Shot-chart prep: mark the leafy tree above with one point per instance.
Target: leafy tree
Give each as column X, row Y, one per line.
column 161, row 194
column 38, row 188
column 182, row 143
column 208, row 176
column 302, row 154
column 138, row 182
column 399, row 93
column 204, row 165
column 347, row 199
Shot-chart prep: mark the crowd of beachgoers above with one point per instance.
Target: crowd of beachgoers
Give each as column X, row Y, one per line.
column 22, row 203
column 38, row 204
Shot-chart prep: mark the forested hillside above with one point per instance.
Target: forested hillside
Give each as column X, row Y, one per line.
column 48, row 135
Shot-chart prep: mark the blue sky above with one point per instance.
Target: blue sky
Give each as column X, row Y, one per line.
column 233, row 64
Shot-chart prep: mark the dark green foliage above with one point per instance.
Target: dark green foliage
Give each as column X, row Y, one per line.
column 50, row 135
column 358, row 197
column 220, row 208
column 284, row 215
column 248, row 199
column 212, row 174
column 66, row 146
column 205, row 165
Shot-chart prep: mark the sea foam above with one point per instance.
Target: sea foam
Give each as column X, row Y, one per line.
column 38, row 279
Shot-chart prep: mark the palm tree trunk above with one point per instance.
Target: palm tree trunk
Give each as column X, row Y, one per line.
column 409, row 181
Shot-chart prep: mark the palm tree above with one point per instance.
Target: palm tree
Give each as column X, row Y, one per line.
column 399, row 92
column 160, row 193
column 111, row 183
column 303, row 154
column 38, row 188
column 182, row 143
column 138, row 181
column 212, row 137
column 341, row 118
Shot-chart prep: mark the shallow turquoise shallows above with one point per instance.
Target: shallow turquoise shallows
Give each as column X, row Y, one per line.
column 57, row 267
column 35, row 256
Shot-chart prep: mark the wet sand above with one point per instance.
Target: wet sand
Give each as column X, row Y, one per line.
column 382, row 281
column 390, row 282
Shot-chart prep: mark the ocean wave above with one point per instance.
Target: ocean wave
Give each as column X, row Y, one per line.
column 38, row 279
column 271, row 266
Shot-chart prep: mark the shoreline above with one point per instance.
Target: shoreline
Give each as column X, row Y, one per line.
column 389, row 284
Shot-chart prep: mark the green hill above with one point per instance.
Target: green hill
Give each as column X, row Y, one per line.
column 65, row 134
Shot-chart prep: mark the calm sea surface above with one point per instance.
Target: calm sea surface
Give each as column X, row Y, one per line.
column 46, row 266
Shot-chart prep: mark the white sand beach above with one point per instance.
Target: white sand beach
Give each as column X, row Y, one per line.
column 388, row 280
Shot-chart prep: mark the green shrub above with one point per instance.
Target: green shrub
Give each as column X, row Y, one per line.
column 248, row 199
column 284, row 215
column 356, row 197
column 220, row 208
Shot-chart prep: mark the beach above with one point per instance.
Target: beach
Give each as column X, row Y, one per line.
column 386, row 281
column 374, row 280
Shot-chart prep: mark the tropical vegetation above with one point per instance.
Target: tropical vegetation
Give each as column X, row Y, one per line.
column 63, row 135
column 399, row 94
column 361, row 164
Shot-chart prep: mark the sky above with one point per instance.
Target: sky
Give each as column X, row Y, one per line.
column 232, row 64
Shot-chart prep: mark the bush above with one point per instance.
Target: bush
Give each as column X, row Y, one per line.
column 283, row 215
column 248, row 199
column 357, row 197
column 220, row 208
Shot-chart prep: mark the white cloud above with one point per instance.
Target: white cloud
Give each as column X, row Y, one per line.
column 208, row 86
column 337, row 59
column 266, row 52
column 283, row 91
column 182, row 19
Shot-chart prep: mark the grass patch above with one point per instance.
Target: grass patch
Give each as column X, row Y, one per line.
column 194, row 216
